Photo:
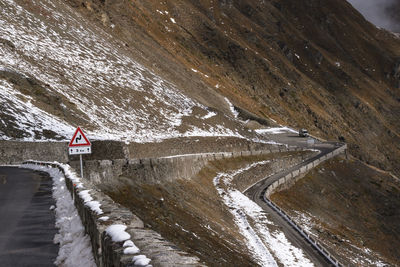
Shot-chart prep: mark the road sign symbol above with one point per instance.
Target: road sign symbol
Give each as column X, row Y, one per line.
column 79, row 145
column 79, row 139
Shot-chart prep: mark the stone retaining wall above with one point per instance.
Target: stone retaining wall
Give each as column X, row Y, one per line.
column 160, row 251
column 109, row 253
column 14, row 152
column 152, row 170
column 288, row 180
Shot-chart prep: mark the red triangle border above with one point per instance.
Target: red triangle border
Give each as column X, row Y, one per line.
column 84, row 137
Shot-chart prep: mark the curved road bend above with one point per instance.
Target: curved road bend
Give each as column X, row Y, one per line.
column 27, row 225
column 256, row 192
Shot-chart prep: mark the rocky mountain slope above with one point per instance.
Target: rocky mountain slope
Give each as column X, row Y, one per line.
column 151, row 71
column 58, row 72
column 306, row 64
column 303, row 63
column 366, row 233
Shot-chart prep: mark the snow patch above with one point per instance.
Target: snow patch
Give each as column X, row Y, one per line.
column 253, row 225
column 104, row 218
column 141, row 260
column 84, row 194
column 128, row 243
column 75, row 247
column 131, row 250
column 88, row 200
column 232, row 108
column 210, row 114
column 95, row 206
column 117, row 232
column 123, row 100
column 276, row 130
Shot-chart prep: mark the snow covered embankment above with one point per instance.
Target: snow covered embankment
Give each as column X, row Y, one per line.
column 75, row 247
column 269, row 248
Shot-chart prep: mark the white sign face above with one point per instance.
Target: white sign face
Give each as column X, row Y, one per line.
column 80, row 150
column 79, row 143
column 79, row 140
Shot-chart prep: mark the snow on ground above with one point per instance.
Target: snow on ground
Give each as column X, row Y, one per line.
column 30, row 121
column 209, row 115
column 232, row 108
column 269, row 248
column 121, row 98
column 359, row 256
column 276, row 130
column 75, row 248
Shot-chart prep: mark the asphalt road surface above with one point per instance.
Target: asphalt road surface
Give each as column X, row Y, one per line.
column 27, row 225
column 256, row 192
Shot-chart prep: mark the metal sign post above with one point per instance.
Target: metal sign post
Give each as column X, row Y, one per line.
column 79, row 145
column 80, row 157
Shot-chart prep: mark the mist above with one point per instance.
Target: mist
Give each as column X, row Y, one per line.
column 377, row 12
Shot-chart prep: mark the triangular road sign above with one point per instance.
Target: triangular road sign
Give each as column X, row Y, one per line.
column 79, row 139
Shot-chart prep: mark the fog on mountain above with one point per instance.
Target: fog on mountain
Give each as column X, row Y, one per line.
column 380, row 12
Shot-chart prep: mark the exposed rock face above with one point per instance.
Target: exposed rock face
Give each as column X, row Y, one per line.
column 308, row 63
column 396, row 73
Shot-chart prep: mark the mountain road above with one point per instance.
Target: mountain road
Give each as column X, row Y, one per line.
column 27, row 225
column 256, row 192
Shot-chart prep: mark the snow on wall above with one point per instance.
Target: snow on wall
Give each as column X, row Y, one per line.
column 122, row 99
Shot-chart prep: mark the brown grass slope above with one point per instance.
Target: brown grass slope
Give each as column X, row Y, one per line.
column 315, row 64
column 190, row 213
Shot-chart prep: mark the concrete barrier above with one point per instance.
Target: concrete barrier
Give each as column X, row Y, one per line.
column 295, row 175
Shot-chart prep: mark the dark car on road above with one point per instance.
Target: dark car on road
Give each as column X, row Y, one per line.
column 303, row 133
